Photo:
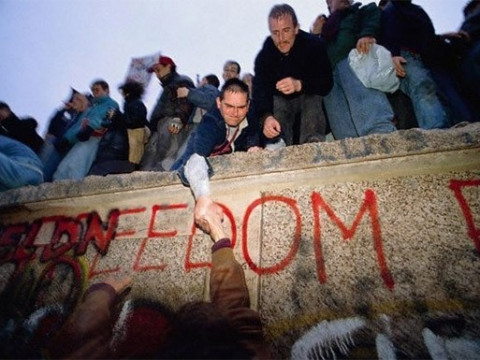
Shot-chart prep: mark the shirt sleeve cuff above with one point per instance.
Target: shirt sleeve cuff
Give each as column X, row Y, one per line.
column 222, row 243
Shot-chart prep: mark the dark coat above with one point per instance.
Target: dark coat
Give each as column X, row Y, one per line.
column 168, row 105
column 134, row 113
column 307, row 61
column 23, row 131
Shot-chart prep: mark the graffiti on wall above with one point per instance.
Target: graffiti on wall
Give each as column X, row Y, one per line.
column 63, row 239
column 50, row 251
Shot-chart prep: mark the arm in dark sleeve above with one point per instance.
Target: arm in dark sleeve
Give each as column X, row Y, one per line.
column 182, row 107
column 390, row 30
column 205, row 137
column 203, row 97
column 319, row 80
column 87, row 331
column 370, row 15
column 263, row 86
column 229, row 293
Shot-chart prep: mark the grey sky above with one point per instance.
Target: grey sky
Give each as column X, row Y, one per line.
column 46, row 46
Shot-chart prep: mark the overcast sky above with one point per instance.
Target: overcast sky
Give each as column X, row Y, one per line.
column 47, row 46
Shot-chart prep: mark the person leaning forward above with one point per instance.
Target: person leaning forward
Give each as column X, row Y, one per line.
column 292, row 74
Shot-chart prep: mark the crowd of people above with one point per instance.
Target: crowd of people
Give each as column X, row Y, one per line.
column 303, row 88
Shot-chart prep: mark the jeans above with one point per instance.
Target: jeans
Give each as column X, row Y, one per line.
column 51, row 158
column 311, row 116
column 419, row 85
column 354, row 110
column 19, row 165
column 78, row 161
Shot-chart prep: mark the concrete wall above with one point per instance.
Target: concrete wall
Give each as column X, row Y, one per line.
column 368, row 245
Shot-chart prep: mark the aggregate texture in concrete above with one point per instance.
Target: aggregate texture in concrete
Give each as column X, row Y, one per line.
column 349, row 247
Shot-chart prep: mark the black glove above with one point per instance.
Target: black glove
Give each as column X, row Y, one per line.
column 84, row 135
column 62, row 145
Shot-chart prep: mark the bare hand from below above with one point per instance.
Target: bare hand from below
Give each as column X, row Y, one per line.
column 208, row 216
column 288, row 85
column 271, row 127
column 398, row 62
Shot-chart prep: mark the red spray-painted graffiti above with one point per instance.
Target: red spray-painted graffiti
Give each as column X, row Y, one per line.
column 456, row 186
column 73, row 235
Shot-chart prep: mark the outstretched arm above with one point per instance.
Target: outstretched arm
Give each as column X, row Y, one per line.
column 196, row 172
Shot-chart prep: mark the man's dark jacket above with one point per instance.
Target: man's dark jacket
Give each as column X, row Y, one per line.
column 307, row 61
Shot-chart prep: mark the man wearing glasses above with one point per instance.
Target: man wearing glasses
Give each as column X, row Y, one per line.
column 228, row 128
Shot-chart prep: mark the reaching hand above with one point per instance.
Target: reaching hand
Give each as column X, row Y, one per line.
column 398, row 62
column 271, row 127
column 209, row 217
column 182, row 92
column 175, row 126
column 365, row 43
column 288, row 85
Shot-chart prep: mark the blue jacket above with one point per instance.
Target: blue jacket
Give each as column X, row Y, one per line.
column 93, row 117
column 203, row 97
column 210, row 139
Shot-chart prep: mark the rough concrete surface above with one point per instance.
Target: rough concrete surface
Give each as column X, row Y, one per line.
column 349, row 246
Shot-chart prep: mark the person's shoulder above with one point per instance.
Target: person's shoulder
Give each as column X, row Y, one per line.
column 267, row 47
column 213, row 118
column 366, row 7
column 310, row 42
column 210, row 88
column 180, row 79
column 137, row 102
column 308, row 38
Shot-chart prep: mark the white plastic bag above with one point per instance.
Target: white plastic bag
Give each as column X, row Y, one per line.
column 375, row 69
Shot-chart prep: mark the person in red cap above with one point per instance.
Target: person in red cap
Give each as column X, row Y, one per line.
column 169, row 117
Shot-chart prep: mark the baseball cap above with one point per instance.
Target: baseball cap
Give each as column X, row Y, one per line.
column 163, row 60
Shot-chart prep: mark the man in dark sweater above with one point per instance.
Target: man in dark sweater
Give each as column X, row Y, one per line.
column 23, row 130
column 292, row 74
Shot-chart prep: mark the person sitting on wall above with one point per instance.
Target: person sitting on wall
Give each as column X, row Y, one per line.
column 135, row 119
column 292, row 75
column 169, row 117
column 122, row 146
column 62, row 139
column 227, row 129
column 79, row 159
column 19, row 165
column 23, row 130
column 203, row 97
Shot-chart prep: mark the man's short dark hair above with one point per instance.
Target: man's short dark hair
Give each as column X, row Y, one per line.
column 470, row 7
column 281, row 10
column 234, row 85
column 213, row 80
column 102, row 83
column 133, row 88
column 4, row 105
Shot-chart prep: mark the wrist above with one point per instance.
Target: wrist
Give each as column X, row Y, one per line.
column 221, row 243
column 298, row 85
